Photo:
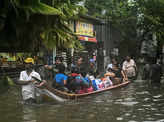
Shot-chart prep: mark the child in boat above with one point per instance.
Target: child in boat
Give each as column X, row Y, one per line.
column 60, row 79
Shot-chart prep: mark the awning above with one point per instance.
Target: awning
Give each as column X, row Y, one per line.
column 89, row 39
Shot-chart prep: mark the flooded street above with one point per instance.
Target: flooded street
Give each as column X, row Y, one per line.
column 137, row 102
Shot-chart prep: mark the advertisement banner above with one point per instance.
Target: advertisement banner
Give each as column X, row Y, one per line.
column 83, row 28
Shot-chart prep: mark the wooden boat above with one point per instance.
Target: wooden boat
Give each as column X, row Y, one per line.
column 65, row 95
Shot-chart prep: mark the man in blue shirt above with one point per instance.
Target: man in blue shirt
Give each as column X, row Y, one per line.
column 60, row 78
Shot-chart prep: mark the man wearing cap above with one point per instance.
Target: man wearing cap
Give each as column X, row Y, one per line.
column 28, row 81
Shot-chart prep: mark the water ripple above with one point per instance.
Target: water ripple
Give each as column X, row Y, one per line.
column 135, row 103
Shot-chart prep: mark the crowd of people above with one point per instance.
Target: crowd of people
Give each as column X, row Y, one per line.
column 81, row 78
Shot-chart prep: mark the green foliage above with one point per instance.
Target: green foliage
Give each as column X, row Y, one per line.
column 153, row 14
column 122, row 15
column 25, row 21
column 129, row 17
column 152, row 21
column 43, row 9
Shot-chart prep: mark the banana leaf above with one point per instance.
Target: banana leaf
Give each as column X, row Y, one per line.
column 42, row 8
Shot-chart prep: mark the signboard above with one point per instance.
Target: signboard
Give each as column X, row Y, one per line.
column 90, row 39
column 83, row 28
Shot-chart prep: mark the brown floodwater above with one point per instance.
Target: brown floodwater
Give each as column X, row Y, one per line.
column 137, row 102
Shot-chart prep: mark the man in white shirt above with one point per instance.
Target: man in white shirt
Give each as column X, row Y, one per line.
column 28, row 82
column 129, row 67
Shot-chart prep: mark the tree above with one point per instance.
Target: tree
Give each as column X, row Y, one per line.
column 37, row 21
column 135, row 19
column 152, row 20
column 122, row 15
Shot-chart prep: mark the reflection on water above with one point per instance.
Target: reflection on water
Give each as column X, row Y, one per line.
column 29, row 114
column 137, row 102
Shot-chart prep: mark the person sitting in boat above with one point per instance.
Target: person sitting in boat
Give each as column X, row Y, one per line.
column 71, row 83
column 85, row 82
column 78, row 82
column 113, row 62
column 129, row 67
column 116, row 74
column 60, row 79
column 54, row 68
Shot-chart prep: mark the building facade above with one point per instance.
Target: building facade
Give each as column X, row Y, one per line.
column 85, row 31
column 99, row 39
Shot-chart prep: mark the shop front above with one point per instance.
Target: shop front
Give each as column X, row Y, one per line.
column 90, row 47
column 84, row 30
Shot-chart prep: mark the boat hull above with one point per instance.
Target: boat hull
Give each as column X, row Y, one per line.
column 65, row 95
